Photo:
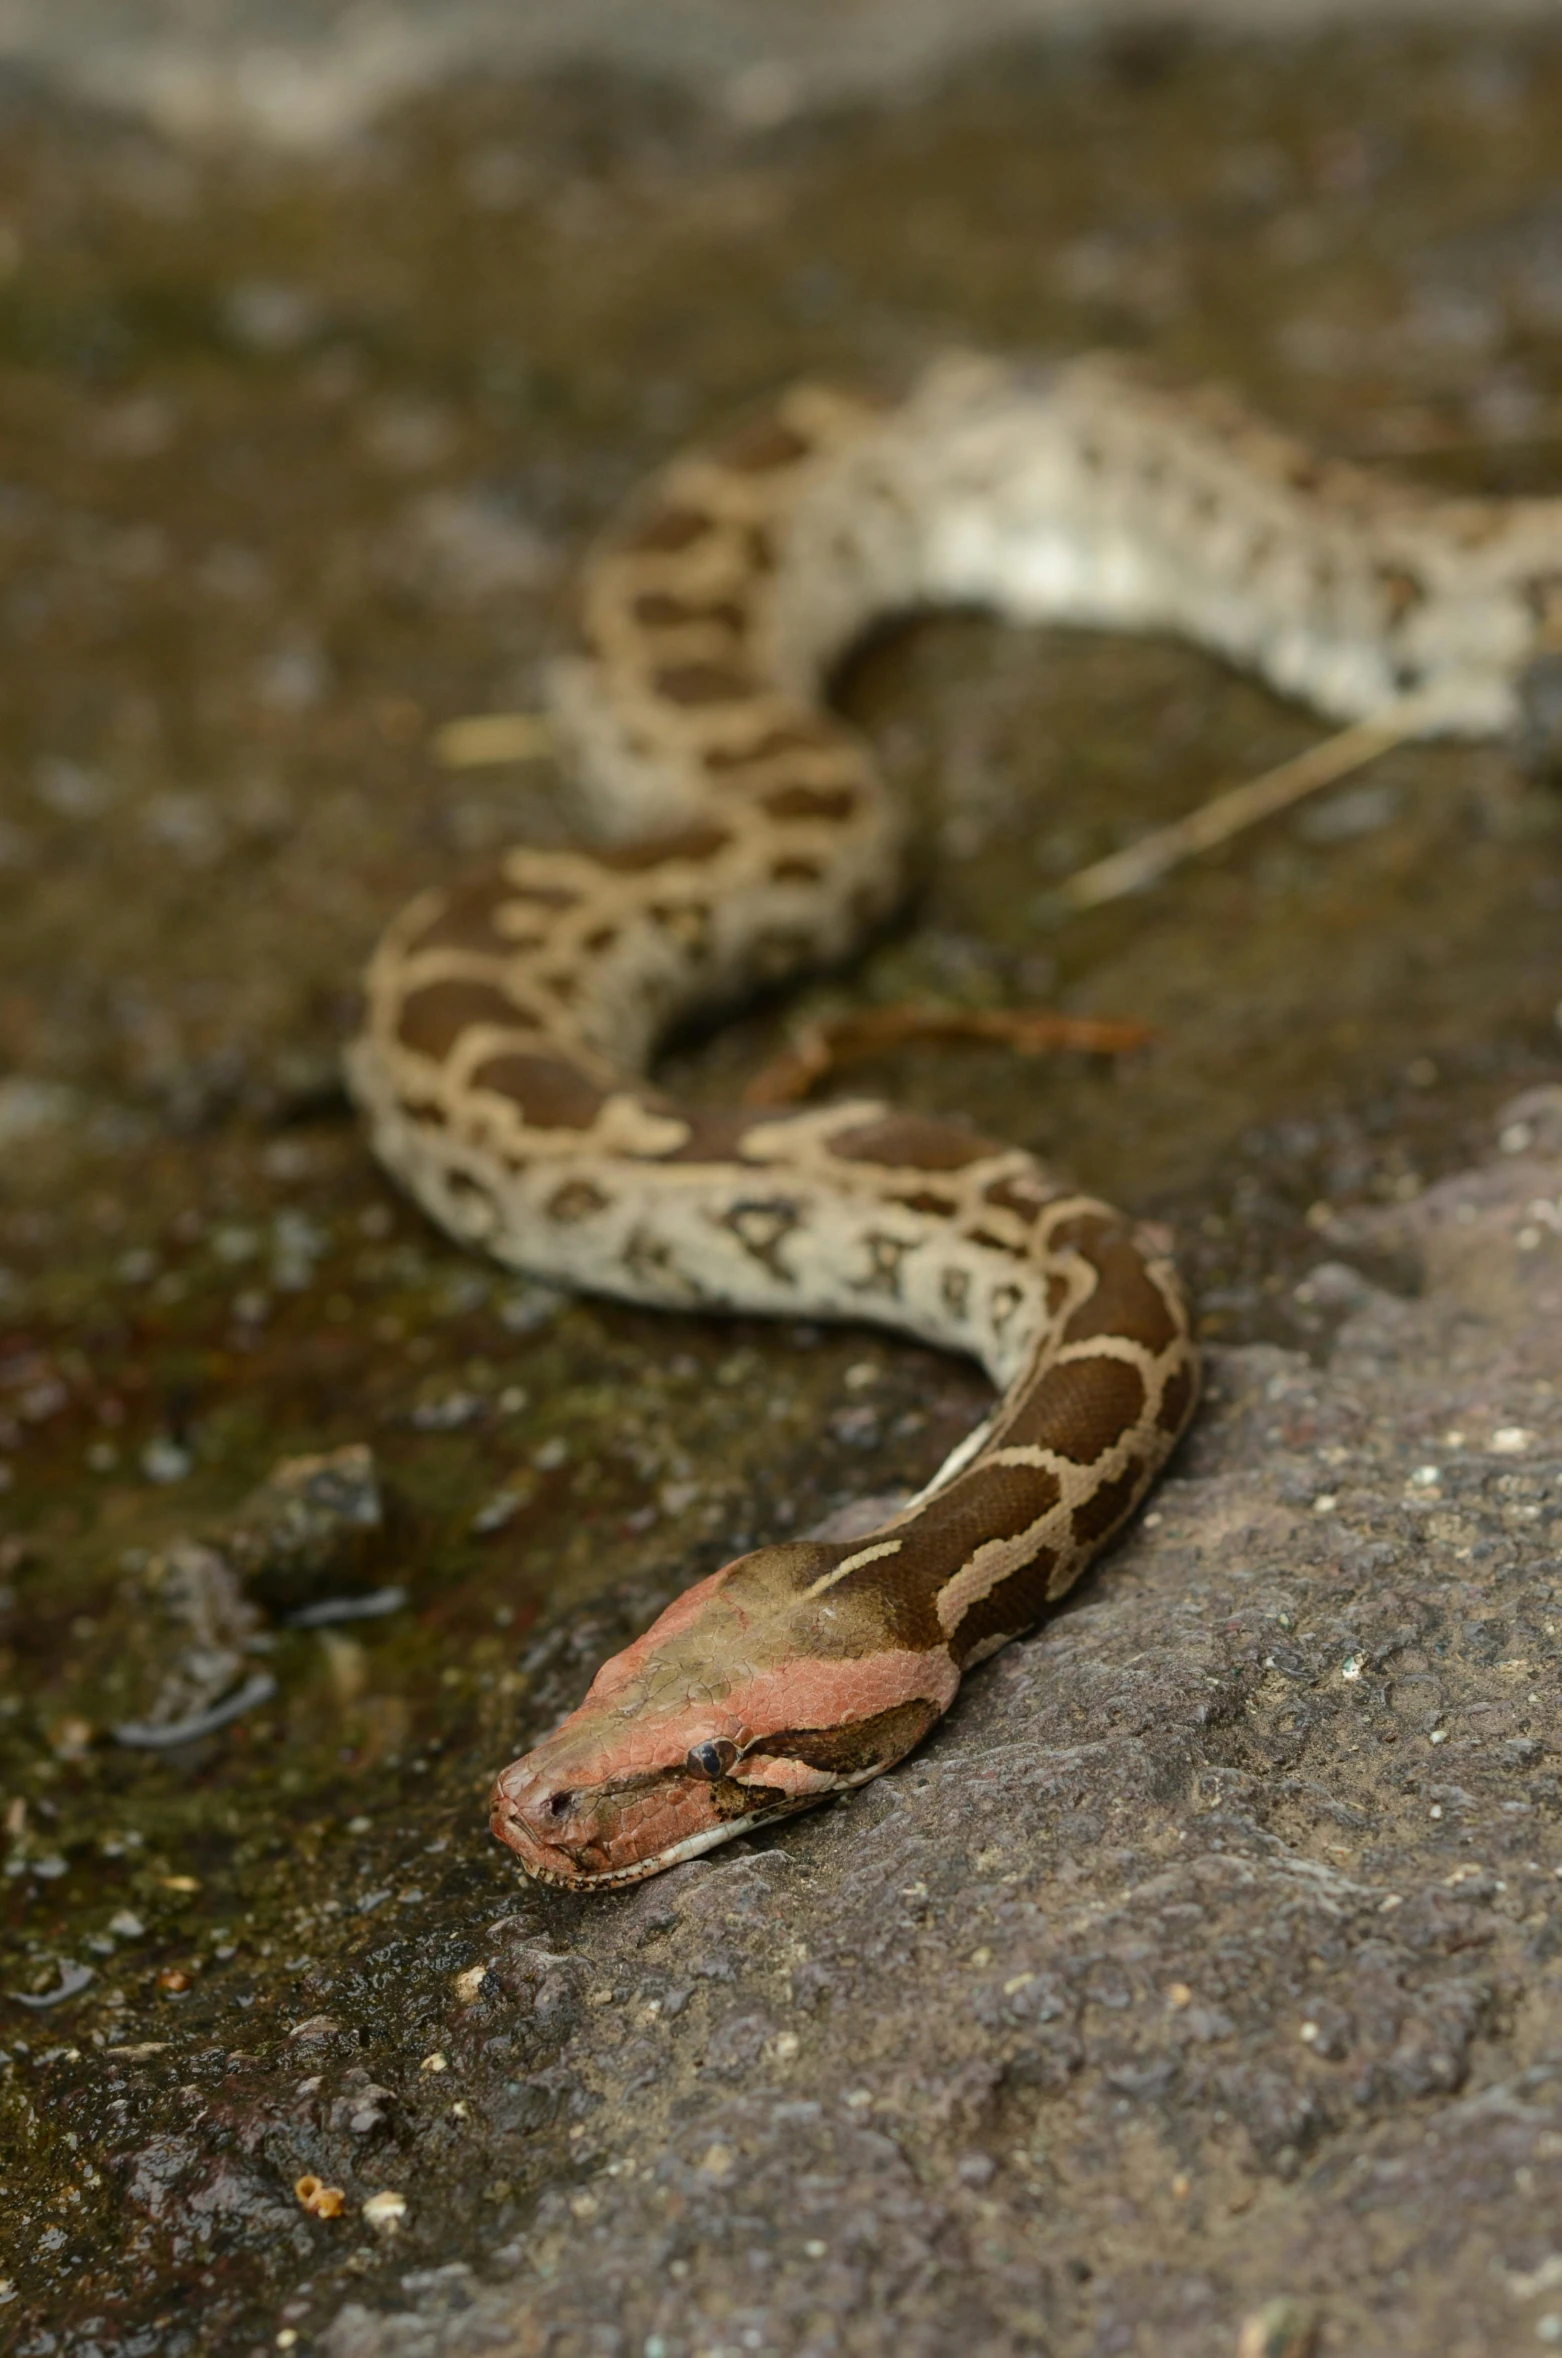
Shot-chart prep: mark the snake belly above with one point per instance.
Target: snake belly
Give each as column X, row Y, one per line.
column 742, row 834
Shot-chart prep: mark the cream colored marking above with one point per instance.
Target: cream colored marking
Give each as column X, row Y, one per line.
column 866, row 1555
column 990, row 1563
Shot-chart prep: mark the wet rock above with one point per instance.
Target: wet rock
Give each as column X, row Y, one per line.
column 1531, row 1123
column 195, row 1629
column 362, row 2106
column 312, row 1525
column 1539, row 734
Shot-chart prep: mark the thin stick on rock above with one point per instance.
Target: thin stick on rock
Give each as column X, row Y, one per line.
column 819, row 1048
column 1238, row 807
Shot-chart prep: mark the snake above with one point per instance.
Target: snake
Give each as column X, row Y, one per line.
column 738, row 832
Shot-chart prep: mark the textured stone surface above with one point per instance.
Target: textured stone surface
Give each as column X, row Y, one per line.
column 299, row 455
column 1204, row 1957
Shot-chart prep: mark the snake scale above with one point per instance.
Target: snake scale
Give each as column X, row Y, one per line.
column 741, row 834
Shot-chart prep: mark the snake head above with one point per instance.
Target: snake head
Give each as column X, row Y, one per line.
column 746, row 1700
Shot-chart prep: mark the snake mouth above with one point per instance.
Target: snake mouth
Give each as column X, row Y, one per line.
column 693, row 1846
column 578, row 1860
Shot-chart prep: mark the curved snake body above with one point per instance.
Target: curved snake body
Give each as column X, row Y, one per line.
column 745, row 834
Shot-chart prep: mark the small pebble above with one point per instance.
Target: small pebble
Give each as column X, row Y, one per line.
column 163, row 1460
column 318, row 2199
column 1280, row 2329
column 497, row 1511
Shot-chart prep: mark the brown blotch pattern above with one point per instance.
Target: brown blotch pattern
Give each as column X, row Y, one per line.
column 989, row 1502
column 1014, row 1604
column 543, row 896
column 1176, row 1401
column 551, row 1093
column 861, row 1744
column 1015, row 1195
column 766, row 445
column 658, row 611
column 1126, row 1300
column 576, row 1200
column 433, row 1018
column 911, row 1142
column 994, row 1243
column 1079, row 1409
column 697, row 843
column 667, row 530
column 1095, row 1516
column 704, row 683
column 923, row 1199
column 885, row 1255
column 467, row 918
column 802, row 735
column 810, row 802
column 710, row 1137
column 761, row 1229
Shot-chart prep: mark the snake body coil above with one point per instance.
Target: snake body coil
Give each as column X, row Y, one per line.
column 746, row 835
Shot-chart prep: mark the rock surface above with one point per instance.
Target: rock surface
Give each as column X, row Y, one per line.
column 301, row 450
column 1203, row 1960
column 312, row 72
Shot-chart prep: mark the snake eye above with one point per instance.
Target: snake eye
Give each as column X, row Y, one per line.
column 712, row 1759
column 560, row 1804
